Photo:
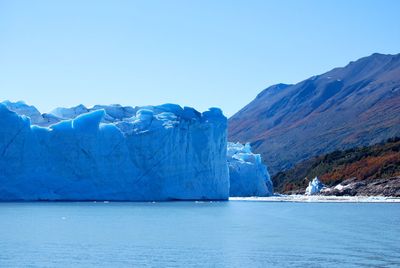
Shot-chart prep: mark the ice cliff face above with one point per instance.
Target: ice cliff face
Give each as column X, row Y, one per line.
column 314, row 187
column 112, row 153
column 248, row 175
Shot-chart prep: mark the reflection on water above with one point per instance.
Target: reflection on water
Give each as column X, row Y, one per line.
column 193, row 234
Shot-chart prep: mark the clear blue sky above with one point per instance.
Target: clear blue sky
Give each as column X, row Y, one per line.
column 197, row 53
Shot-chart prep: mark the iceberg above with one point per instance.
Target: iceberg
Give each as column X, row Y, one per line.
column 314, row 187
column 150, row 153
column 248, row 175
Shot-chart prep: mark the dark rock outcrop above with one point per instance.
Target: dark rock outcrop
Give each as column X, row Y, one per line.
column 372, row 187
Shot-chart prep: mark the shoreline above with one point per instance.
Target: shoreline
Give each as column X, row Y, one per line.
column 319, row 199
column 272, row 199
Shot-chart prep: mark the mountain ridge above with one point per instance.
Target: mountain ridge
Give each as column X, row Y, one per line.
column 345, row 107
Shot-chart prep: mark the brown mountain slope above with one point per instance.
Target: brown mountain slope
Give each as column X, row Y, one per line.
column 356, row 105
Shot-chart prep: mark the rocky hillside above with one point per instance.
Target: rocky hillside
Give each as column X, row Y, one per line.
column 364, row 167
column 356, row 105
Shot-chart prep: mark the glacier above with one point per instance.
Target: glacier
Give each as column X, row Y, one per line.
column 248, row 175
column 314, row 187
column 119, row 152
column 113, row 152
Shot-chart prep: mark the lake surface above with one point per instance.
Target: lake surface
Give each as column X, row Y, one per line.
column 199, row 234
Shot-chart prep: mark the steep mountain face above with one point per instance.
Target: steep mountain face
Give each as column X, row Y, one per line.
column 356, row 105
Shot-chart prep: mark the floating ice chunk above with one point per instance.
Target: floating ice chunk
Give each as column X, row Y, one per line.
column 314, row 187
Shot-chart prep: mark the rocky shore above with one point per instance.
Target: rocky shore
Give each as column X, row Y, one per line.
column 371, row 187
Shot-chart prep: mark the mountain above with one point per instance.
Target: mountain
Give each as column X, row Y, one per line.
column 368, row 170
column 355, row 105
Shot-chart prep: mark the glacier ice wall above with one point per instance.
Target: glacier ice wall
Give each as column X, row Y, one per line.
column 248, row 175
column 112, row 153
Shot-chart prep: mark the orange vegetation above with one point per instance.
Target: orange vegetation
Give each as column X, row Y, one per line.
column 367, row 168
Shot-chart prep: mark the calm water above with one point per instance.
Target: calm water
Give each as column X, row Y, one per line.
column 192, row 234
